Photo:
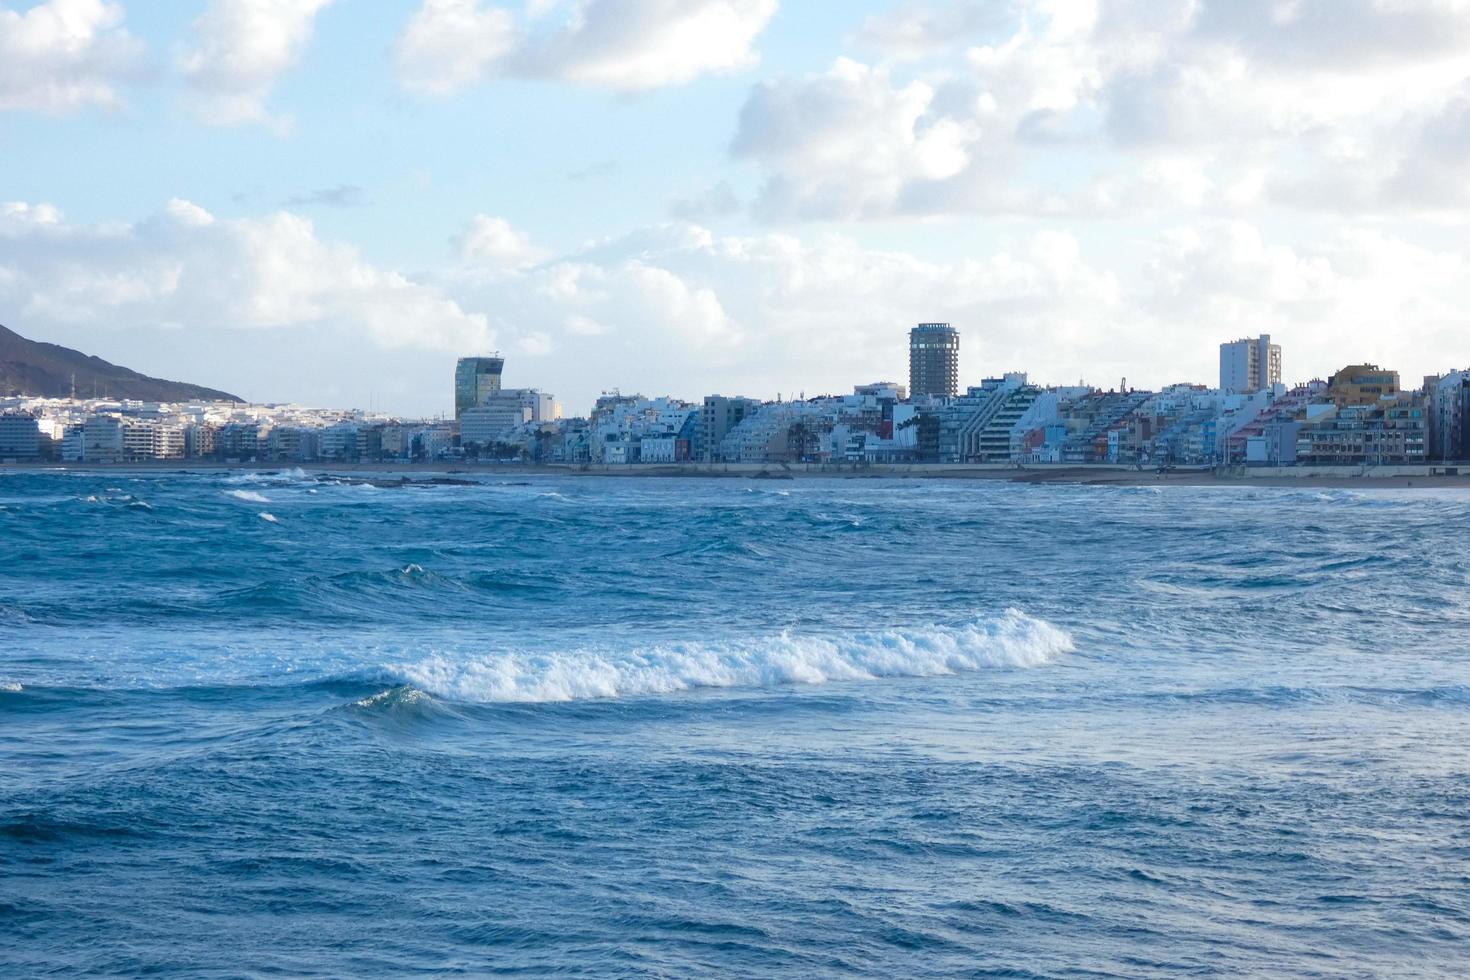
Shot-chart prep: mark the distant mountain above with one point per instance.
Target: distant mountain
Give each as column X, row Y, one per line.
column 29, row 367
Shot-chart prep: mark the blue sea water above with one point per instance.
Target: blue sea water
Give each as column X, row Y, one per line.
column 276, row 725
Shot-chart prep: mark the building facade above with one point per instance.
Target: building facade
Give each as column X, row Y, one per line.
column 1362, row 384
column 1248, row 366
column 1389, row 432
column 20, row 436
column 718, row 417
column 1449, row 401
column 489, row 423
column 476, row 379
column 934, row 360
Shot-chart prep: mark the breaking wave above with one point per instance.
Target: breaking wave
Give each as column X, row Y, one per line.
column 1011, row 640
column 252, row 477
column 250, row 495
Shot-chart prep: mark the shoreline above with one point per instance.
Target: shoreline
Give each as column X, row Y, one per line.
column 1073, row 474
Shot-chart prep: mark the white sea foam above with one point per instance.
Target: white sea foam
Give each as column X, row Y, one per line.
column 11, row 687
column 250, row 495
column 252, row 477
column 398, row 695
column 1011, row 640
column 268, row 517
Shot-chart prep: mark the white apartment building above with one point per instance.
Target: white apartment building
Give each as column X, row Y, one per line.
column 1248, row 366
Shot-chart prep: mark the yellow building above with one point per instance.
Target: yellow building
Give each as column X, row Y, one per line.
column 1362, row 384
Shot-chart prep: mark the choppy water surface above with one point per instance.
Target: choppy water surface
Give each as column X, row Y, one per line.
column 257, row 725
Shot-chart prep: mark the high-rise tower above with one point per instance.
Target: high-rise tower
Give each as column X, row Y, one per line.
column 1248, row 366
column 934, row 360
column 475, row 380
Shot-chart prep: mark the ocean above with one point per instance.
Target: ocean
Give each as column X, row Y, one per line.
column 289, row 725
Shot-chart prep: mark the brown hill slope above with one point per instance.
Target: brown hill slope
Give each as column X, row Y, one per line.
column 29, row 367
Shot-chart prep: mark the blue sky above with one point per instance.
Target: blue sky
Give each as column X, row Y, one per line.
column 326, row 201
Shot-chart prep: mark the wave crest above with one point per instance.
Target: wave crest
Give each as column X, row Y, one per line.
column 269, row 477
column 1010, row 640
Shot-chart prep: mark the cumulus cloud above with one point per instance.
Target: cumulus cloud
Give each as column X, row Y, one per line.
column 451, row 44
column 916, row 28
column 625, row 45
column 185, row 268
column 236, row 52
column 717, row 200
column 1355, row 295
column 850, row 141
column 64, row 55
column 1082, row 106
column 494, row 242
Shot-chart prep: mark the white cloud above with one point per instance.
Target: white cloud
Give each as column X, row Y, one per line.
column 625, row 45
column 185, row 267
column 916, row 28
column 848, row 142
column 237, row 51
column 1082, row 106
column 494, row 242
column 1356, row 295
column 451, row 44
column 711, row 201
column 64, row 55
column 635, row 45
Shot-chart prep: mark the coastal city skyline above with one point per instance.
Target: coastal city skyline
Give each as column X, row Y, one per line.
column 1362, row 415
column 739, row 194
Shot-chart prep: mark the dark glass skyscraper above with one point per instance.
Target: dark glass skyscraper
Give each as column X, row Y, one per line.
column 934, row 360
column 475, row 380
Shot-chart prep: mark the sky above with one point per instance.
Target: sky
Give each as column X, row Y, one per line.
column 328, row 201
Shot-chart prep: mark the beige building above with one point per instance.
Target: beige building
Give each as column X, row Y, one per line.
column 1362, row 384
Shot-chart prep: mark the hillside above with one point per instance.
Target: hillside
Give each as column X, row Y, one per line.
column 29, row 367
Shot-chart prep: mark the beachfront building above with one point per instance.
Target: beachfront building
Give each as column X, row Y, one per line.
column 1449, row 418
column 20, row 436
column 1248, row 366
column 238, row 441
column 102, row 439
column 634, row 429
column 718, row 416
column 976, row 427
column 291, row 443
column 1090, row 419
column 476, row 379
column 487, row 424
column 1362, row 384
column 1387, row 432
column 934, row 360
column 337, row 441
